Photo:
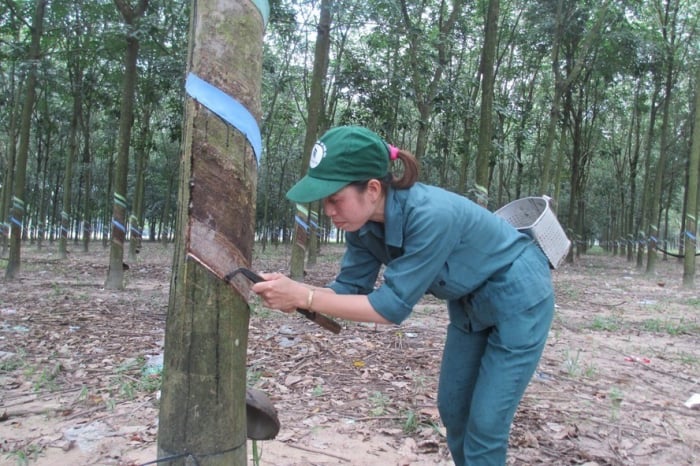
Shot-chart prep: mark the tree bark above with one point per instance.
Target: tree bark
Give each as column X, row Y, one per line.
column 76, row 85
column 20, row 179
column 143, row 144
column 691, row 220
column 7, row 188
column 86, row 173
column 488, row 58
column 314, row 117
column 202, row 408
column 669, row 33
column 115, row 275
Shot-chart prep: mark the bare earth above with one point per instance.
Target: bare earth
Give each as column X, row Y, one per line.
column 79, row 370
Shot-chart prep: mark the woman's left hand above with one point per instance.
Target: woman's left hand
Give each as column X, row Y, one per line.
column 280, row 292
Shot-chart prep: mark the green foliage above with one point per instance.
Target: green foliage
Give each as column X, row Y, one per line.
column 383, row 74
column 616, row 397
column 411, row 423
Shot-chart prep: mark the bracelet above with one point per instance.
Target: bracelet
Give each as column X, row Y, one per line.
column 310, row 299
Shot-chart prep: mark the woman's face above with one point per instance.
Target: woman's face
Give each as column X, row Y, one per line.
column 350, row 208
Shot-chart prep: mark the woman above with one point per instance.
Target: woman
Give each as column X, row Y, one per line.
column 496, row 281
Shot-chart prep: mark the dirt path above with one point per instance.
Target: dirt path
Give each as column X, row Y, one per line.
column 79, row 371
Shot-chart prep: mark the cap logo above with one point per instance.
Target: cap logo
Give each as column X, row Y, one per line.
column 317, row 154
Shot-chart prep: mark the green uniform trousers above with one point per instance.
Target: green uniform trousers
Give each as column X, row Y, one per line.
column 482, row 379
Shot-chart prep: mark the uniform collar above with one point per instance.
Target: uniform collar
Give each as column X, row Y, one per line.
column 391, row 230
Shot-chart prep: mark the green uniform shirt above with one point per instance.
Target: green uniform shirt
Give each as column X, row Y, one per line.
column 435, row 241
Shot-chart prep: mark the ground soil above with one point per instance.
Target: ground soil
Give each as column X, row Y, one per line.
column 79, row 370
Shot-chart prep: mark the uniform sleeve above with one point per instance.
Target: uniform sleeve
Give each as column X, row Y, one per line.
column 358, row 269
column 430, row 235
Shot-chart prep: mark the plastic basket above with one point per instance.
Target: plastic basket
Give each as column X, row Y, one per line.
column 533, row 215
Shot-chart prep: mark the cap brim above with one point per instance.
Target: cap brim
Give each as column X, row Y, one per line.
column 310, row 189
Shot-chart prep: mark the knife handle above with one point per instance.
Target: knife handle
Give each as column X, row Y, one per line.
column 320, row 319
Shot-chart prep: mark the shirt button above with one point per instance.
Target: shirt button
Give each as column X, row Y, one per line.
column 441, row 282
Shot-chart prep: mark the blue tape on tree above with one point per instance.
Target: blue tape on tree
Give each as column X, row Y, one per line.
column 228, row 108
column 264, row 8
column 301, row 222
column 119, row 225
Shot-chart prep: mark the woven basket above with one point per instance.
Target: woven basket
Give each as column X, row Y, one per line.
column 533, row 215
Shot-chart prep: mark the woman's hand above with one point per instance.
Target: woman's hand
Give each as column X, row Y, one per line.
column 280, row 292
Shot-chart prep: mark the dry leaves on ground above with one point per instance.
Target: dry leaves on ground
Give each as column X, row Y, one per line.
column 79, row 370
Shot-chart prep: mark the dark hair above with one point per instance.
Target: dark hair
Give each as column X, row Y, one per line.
column 407, row 178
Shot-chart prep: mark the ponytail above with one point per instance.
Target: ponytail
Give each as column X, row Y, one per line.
column 409, row 175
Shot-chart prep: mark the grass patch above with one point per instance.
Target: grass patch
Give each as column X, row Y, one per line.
column 134, row 376
column 575, row 367
column 694, row 302
column 597, row 251
column 669, row 326
column 25, row 455
column 253, row 375
column 606, row 324
column 411, row 423
column 12, row 363
column 616, row 398
column 379, row 403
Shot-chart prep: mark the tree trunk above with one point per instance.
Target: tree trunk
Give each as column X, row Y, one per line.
column 315, row 116
column 202, row 409
column 669, row 33
column 488, row 58
column 86, row 174
column 555, row 104
column 7, row 188
column 43, row 176
column 70, row 158
column 644, row 208
column 20, row 179
column 115, row 275
column 632, row 224
column 11, row 108
column 165, row 214
column 691, row 218
column 136, row 220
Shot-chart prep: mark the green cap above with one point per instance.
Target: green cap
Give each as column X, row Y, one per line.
column 343, row 155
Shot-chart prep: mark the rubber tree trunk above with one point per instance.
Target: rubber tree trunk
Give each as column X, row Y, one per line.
column 316, row 113
column 7, row 188
column 691, row 220
column 115, row 275
column 669, row 32
column 87, row 181
column 136, row 220
column 66, row 204
column 488, row 58
column 202, row 410
column 18, row 203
